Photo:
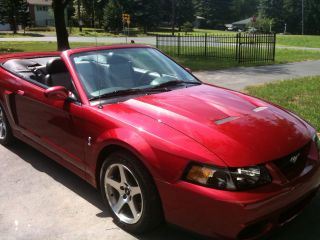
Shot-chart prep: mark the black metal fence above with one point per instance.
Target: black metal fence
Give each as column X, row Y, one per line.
column 242, row 47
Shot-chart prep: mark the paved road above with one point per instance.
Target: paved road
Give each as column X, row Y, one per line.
column 39, row 199
column 239, row 78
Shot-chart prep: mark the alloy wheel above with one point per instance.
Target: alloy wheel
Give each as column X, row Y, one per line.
column 123, row 193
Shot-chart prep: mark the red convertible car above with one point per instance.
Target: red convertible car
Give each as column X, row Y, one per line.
column 158, row 143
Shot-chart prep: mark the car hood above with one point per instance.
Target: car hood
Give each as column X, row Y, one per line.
column 239, row 129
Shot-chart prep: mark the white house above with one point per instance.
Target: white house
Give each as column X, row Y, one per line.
column 4, row 27
column 41, row 12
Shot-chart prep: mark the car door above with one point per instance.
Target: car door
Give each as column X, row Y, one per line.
column 54, row 124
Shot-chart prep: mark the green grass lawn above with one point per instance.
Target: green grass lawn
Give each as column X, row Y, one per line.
column 300, row 96
column 298, row 41
column 37, row 46
column 282, row 56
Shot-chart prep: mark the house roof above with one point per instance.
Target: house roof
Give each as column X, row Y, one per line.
column 243, row 22
column 40, row 2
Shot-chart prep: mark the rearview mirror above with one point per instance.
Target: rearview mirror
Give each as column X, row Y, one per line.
column 57, row 93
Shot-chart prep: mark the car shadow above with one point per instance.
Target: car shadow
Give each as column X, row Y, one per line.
column 42, row 163
column 305, row 226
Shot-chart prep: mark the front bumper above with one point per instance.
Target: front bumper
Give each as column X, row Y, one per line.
column 238, row 215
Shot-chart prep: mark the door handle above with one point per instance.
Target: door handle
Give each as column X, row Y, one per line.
column 20, row 92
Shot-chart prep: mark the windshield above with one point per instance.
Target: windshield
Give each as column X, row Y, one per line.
column 110, row 71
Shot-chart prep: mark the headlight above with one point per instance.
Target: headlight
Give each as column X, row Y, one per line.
column 229, row 179
column 317, row 141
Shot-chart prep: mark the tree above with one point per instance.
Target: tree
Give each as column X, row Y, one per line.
column 14, row 12
column 113, row 16
column 59, row 7
column 293, row 16
column 312, row 20
column 273, row 9
column 207, row 10
column 216, row 12
column 263, row 25
column 185, row 12
column 242, row 9
column 145, row 13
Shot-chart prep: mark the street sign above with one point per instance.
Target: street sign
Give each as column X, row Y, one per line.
column 126, row 18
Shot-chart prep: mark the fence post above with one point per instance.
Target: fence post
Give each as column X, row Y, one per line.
column 205, row 44
column 238, row 46
column 179, row 43
column 274, row 46
column 157, row 41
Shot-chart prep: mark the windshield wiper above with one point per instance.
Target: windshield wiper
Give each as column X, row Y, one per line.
column 125, row 92
column 174, row 83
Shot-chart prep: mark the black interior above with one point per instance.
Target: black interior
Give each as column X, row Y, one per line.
column 45, row 72
column 57, row 74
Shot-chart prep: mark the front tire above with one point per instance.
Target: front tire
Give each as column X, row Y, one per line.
column 6, row 137
column 130, row 194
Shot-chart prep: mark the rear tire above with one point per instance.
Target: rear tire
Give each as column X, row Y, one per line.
column 6, row 137
column 129, row 193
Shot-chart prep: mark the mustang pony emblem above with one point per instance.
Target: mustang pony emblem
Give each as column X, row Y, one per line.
column 294, row 158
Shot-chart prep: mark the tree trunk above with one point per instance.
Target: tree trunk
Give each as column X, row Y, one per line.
column 173, row 15
column 79, row 17
column 14, row 25
column 60, row 24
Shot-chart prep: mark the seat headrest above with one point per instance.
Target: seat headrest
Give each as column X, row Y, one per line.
column 56, row 65
column 116, row 59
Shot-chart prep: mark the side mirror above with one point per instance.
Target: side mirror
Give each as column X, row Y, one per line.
column 57, row 93
column 188, row 70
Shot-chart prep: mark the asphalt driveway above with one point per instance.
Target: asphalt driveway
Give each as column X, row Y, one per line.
column 241, row 77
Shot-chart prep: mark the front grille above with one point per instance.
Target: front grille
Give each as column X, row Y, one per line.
column 292, row 165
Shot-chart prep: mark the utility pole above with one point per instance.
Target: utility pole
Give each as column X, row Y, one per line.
column 302, row 16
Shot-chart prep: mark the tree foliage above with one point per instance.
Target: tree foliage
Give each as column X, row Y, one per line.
column 242, row 9
column 112, row 16
column 290, row 12
column 273, row 9
column 145, row 13
column 14, row 12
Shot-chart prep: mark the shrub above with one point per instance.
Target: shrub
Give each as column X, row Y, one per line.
column 187, row 27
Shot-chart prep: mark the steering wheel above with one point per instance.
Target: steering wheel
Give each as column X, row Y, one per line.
column 147, row 73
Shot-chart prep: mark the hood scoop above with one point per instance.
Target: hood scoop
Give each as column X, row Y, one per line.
column 226, row 120
column 260, row 109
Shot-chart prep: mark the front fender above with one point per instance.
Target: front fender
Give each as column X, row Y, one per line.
column 124, row 138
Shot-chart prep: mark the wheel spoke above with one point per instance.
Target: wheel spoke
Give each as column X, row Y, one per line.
column 133, row 209
column 116, row 185
column 116, row 208
column 122, row 174
column 135, row 191
column 2, row 130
